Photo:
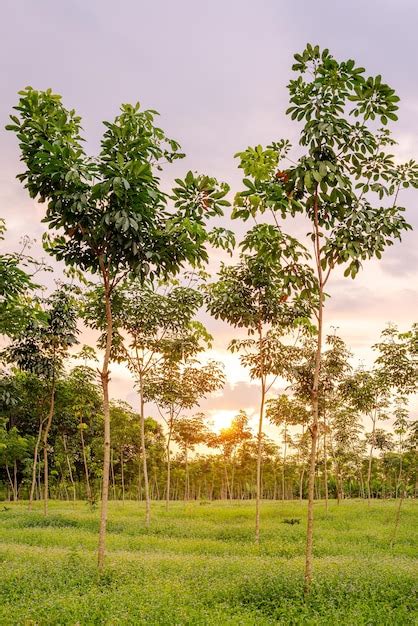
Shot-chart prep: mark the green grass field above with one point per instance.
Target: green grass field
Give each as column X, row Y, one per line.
column 198, row 564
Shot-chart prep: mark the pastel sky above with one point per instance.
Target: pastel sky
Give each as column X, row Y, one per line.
column 217, row 72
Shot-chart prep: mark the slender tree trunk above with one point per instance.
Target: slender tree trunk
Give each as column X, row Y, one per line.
column 369, row 469
column 186, row 482
column 315, row 409
column 227, row 490
column 259, row 457
column 140, row 480
column 302, row 476
column 15, row 479
column 106, row 415
column 398, row 509
column 398, row 481
column 122, row 474
column 325, row 463
column 362, row 494
column 167, row 495
column 112, row 471
column 144, row 453
column 232, row 475
column 70, row 473
column 39, row 478
column 86, row 468
column 11, row 482
column 45, row 444
column 284, row 461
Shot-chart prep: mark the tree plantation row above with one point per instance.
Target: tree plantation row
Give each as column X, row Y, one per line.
column 208, row 465
column 136, row 260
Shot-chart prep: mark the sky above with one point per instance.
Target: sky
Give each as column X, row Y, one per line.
column 217, row 72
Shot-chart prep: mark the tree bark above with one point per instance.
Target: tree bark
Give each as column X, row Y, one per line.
column 186, row 482
column 325, row 463
column 45, row 444
column 144, row 453
column 106, row 415
column 11, row 483
column 70, row 473
column 122, row 474
column 369, row 469
column 86, row 469
column 315, row 409
column 167, row 495
column 284, row 461
column 112, row 471
column 15, row 479
column 260, row 440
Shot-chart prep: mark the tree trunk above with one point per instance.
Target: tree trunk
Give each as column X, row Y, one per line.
column 227, row 490
column 45, row 444
column 144, row 453
column 315, row 409
column 86, row 469
column 259, row 455
column 139, row 481
column 122, row 474
column 112, row 470
column 369, row 469
column 398, row 481
column 325, row 463
column 15, row 479
column 167, row 495
column 106, row 415
column 186, row 482
column 302, row 476
column 11, row 483
column 284, row 461
column 70, row 473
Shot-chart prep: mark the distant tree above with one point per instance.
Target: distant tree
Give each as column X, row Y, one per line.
column 85, row 405
column 14, row 449
column 347, row 448
column 176, row 385
column 285, row 411
column 19, row 303
column 229, row 440
column 42, row 350
column 188, row 432
column 155, row 322
column 125, row 433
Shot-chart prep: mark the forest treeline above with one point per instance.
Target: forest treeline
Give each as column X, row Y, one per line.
column 136, row 260
column 205, row 465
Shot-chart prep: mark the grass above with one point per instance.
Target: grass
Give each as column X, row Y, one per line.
column 198, row 564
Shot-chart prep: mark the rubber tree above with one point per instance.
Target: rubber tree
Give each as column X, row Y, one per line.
column 343, row 179
column 42, row 350
column 334, row 368
column 188, row 432
column 285, row 411
column 19, row 302
column 107, row 213
column 268, row 293
column 178, row 384
column 229, row 440
column 14, row 450
column 347, row 448
column 152, row 320
column 84, row 403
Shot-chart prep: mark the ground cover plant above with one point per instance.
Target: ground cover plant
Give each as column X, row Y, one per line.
column 198, row 564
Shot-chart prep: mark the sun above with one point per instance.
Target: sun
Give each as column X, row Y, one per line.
column 221, row 419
